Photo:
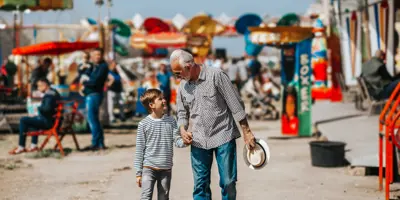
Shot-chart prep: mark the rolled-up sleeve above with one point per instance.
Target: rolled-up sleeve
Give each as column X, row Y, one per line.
column 182, row 113
column 231, row 96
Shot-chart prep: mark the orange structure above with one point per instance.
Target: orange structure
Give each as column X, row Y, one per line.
column 388, row 122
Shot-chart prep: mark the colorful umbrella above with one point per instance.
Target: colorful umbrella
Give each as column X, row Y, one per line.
column 54, row 48
column 155, row 25
column 203, row 25
column 290, row 19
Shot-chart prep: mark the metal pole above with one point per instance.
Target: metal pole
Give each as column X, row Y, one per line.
column 15, row 29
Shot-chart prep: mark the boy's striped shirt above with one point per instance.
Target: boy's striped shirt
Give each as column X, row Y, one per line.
column 154, row 143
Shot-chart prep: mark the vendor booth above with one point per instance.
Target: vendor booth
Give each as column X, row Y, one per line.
column 295, row 45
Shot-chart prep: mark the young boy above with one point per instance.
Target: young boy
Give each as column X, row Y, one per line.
column 154, row 146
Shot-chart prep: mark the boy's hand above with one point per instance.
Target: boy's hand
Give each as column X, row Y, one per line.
column 186, row 136
column 139, row 181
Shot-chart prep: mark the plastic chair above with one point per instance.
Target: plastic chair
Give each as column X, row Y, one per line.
column 54, row 131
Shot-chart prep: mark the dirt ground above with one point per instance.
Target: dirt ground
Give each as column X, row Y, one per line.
column 109, row 174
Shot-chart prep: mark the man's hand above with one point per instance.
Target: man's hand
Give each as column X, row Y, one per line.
column 249, row 139
column 139, row 181
column 186, row 136
column 248, row 136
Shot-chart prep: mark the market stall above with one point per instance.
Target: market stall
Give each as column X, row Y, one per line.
column 295, row 45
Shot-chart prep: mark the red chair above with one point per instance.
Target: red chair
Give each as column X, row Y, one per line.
column 68, row 122
column 51, row 132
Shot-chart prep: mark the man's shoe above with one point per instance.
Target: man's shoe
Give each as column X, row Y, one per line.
column 90, row 148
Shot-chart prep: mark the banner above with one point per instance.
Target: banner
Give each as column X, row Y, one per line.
column 303, row 86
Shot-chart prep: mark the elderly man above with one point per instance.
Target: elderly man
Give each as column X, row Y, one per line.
column 208, row 104
column 380, row 83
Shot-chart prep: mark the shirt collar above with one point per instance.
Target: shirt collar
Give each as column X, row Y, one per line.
column 203, row 72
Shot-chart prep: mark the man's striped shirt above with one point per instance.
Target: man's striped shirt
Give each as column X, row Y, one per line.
column 211, row 105
column 155, row 142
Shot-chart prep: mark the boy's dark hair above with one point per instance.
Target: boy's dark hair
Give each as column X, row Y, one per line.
column 44, row 80
column 99, row 49
column 47, row 61
column 148, row 97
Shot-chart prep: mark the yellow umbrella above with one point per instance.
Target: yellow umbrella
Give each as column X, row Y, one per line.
column 203, row 25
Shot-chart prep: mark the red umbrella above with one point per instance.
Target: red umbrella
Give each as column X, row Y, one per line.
column 155, row 25
column 54, row 48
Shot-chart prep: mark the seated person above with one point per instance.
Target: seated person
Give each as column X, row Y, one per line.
column 378, row 80
column 43, row 121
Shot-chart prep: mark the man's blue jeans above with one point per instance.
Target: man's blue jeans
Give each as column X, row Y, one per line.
column 93, row 102
column 32, row 124
column 227, row 166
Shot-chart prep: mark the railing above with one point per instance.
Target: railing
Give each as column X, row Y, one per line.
column 388, row 119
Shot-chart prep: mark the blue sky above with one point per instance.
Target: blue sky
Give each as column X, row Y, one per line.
column 125, row 9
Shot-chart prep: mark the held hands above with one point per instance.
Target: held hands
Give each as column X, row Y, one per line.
column 139, row 181
column 186, row 136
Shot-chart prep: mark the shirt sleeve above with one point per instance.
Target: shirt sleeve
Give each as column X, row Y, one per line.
column 177, row 136
column 140, row 147
column 231, row 96
column 182, row 112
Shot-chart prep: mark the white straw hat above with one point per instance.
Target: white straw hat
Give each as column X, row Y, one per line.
column 257, row 158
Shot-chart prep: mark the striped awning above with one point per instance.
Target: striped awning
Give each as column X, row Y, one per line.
column 34, row 5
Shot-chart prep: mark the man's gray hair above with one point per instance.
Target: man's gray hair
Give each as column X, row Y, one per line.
column 183, row 57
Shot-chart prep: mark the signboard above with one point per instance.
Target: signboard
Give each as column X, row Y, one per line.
column 296, row 83
column 303, row 86
column 279, row 35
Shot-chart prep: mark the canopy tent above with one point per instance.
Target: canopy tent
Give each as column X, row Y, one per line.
column 166, row 40
column 54, row 48
column 11, row 5
column 50, row 48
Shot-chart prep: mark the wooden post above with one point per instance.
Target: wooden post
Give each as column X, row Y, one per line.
column 26, row 90
column 366, row 29
column 19, row 75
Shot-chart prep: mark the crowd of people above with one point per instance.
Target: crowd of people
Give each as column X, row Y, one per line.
column 96, row 75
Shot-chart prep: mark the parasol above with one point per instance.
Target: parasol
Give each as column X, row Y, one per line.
column 242, row 26
column 155, row 25
column 246, row 21
column 290, row 19
column 54, row 48
column 121, row 28
column 203, row 25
